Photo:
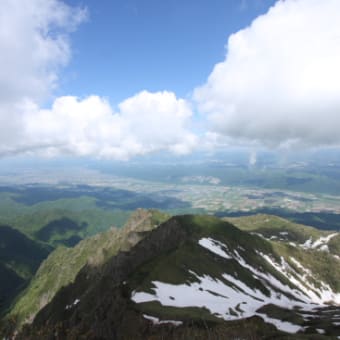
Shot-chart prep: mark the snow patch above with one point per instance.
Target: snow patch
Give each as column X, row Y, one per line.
column 75, row 302
column 281, row 325
column 219, row 297
column 319, row 296
column 322, row 241
column 271, row 280
column 229, row 298
column 156, row 321
column 324, row 247
column 307, row 244
column 214, row 246
column 258, row 234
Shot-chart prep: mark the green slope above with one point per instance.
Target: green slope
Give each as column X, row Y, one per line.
column 63, row 264
column 56, row 223
column 59, row 220
column 271, row 226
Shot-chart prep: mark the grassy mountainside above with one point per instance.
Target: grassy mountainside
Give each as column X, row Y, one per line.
column 57, row 217
column 58, row 221
column 200, row 277
column 319, row 249
column 63, row 264
column 271, row 226
column 65, row 214
column 280, row 230
column 32, row 224
column 321, row 220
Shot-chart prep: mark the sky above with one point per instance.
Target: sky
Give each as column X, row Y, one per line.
column 127, row 46
column 122, row 79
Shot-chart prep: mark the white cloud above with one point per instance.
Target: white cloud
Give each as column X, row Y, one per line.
column 160, row 120
column 279, row 85
column 146, row 122
column 34, row 45
column 280, row 81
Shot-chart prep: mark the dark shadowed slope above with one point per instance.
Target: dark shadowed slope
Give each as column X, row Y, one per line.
column 20, row 257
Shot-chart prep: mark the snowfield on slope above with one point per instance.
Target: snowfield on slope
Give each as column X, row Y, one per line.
column 319, row 296
column 230, row 298
column 215, row 247
column 219, row 298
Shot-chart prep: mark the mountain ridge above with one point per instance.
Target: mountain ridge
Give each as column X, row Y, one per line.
column 199, row 254
column 63, row 264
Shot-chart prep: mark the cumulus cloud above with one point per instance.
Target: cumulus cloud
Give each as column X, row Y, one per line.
column 280, row 81
column 278, row 85
column 34, row 44
column 146, row 122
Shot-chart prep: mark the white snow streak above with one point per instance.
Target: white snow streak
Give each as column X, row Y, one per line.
column 156, row 321
column 324, row 247
column 231, row 299
column 75, row 302
column 281, row 325
column 315, row 295
column 228, row 301
column 214, row 246
column 309, row 244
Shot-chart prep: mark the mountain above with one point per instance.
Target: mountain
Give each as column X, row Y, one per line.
column 64, row 214
column 20, row 257
column 63, row 264
column 198, row 277
column 49, row 223
column 60, row 215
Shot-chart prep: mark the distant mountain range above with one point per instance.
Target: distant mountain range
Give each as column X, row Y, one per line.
column 187, row 277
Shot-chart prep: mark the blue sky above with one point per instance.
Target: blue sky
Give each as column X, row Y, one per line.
column 128, row 46
column 124, row 79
